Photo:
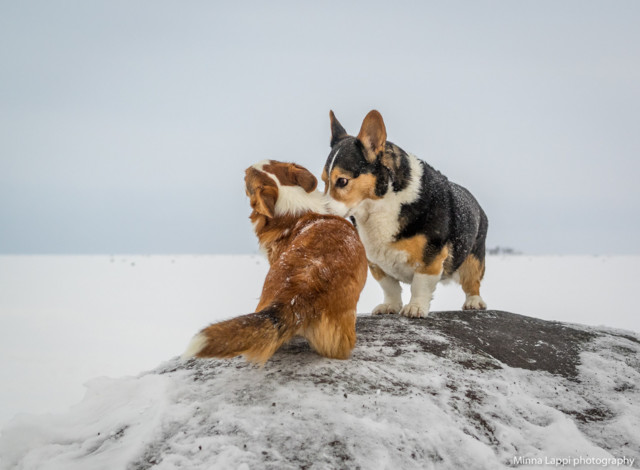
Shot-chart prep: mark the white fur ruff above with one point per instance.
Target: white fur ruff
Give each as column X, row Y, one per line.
column 294, row 200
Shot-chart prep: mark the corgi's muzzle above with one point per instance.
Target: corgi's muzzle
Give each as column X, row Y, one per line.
column 336, row 207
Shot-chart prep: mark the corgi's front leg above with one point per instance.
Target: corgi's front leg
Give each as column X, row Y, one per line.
column 392, row 292
column 422, row 288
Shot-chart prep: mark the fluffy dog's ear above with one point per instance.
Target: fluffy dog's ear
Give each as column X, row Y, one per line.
column 263, row 200
column 304, row 178
column 337, row 131
column 373, row 135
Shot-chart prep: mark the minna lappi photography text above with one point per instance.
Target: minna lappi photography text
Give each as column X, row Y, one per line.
column 574, row 462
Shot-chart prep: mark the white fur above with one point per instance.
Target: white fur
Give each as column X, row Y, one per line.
column 337, row 207
column 333, row 160
column 422, row 288
column 392, row 296
column 195, row 346
column 294, row 200
column 377, row 223
column 474, row 302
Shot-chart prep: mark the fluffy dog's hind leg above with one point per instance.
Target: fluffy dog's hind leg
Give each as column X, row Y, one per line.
column 333, row 336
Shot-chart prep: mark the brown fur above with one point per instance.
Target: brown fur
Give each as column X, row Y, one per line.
column 373, row 135
column 436, row 266
column 471, row 273
column 318, row 269
column 262, row 192
column 415, row 247
column 290, row 174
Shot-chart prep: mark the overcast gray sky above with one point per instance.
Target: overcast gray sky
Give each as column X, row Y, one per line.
column 125, row 127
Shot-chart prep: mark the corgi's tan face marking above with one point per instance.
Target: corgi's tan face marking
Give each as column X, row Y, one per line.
column 349, row 190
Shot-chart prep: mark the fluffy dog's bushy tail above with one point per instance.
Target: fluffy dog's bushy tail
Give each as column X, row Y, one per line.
column 256, row 336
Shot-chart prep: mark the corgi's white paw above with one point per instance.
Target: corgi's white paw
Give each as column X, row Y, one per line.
column 412, row 310
column 384, row 309
column 474, row 302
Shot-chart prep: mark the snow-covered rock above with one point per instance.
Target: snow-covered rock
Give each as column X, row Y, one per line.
column 455, row 390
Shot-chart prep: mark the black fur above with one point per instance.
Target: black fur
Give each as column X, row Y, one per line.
column 446, row 213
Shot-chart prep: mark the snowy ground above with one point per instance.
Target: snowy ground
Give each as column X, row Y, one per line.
column 65, row 320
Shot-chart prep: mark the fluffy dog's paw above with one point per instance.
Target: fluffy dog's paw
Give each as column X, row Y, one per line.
column 415, row 311
column 474, row 302
column 384, row 309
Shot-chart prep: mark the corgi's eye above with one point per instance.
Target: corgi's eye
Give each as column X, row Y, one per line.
column 341, row 182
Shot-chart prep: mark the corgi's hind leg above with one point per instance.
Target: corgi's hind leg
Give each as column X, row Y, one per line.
column 333, row 336
column 471, row 273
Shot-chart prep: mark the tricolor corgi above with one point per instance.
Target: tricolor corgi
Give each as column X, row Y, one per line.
column 417, row 226
column 318, row 268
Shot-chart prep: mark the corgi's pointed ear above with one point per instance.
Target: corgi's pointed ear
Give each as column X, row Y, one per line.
column 337, row 131
column 263, row 200
column 373, row 135
column 304, row 178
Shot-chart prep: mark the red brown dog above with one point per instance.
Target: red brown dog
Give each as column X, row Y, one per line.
column 318, row 269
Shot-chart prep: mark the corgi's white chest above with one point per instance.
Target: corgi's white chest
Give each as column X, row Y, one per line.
column 377, row 231
column 377, row 223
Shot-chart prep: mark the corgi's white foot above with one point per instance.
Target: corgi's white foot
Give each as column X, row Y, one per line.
column 422, row 287
column 474, row 302
column 413, row 310
column 384, row 309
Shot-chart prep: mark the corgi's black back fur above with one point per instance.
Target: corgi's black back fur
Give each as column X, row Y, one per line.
column 446, row 213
